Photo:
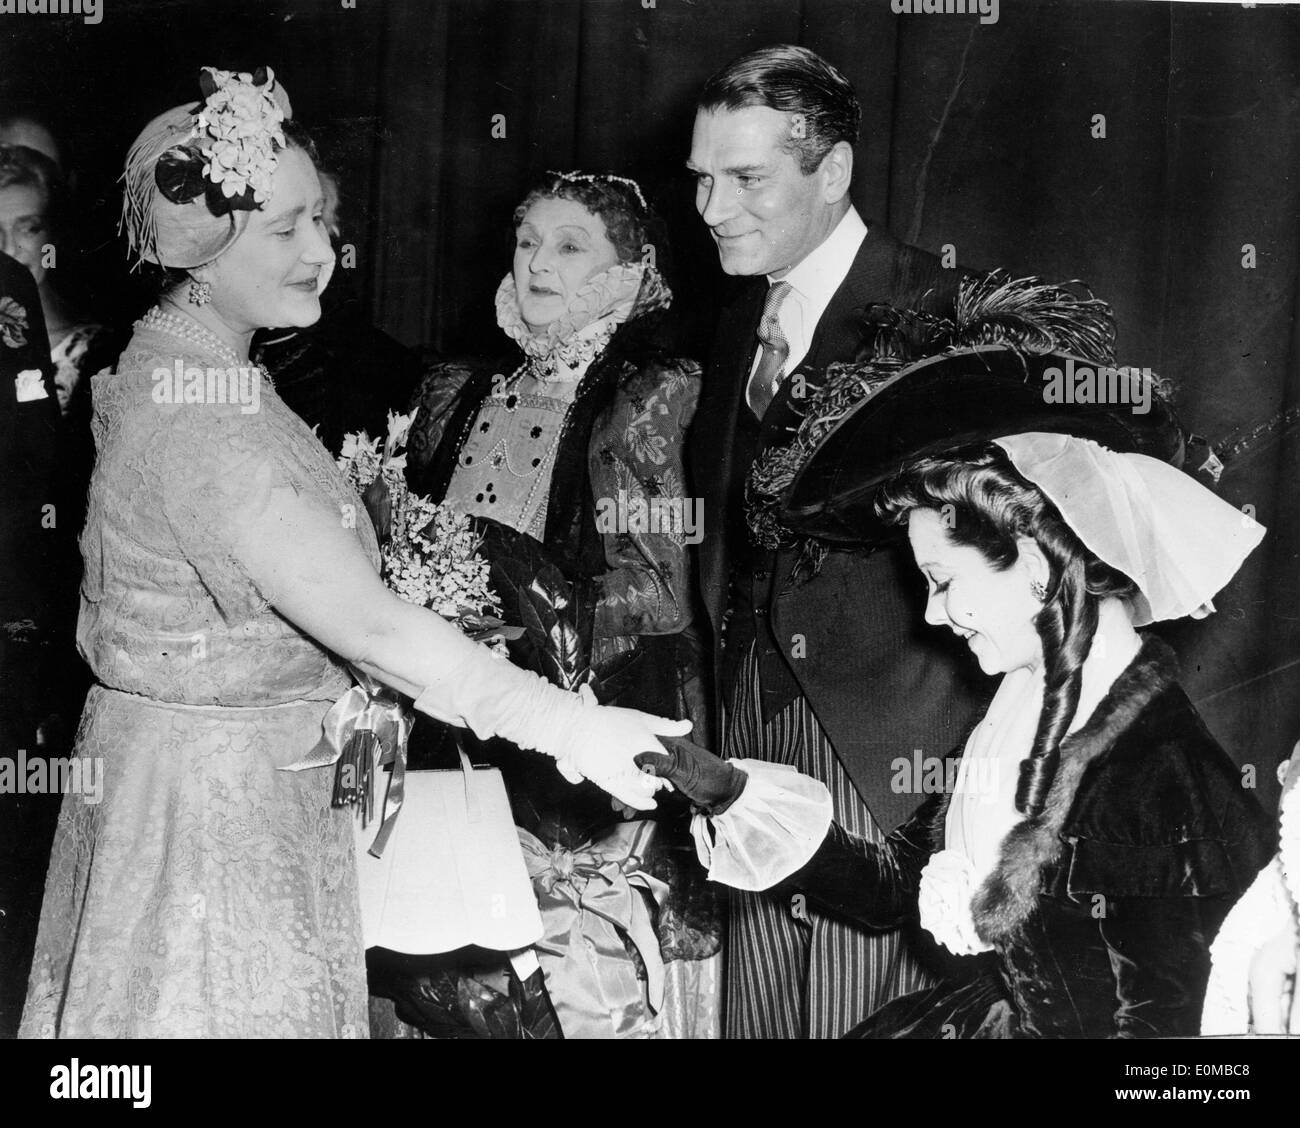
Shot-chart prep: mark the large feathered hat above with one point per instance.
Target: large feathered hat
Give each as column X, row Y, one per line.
column 1016, row 355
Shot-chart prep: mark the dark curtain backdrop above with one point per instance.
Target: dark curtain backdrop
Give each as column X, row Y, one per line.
column 980, row 136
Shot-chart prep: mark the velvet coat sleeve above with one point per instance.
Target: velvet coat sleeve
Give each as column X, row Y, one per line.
column 874, row 885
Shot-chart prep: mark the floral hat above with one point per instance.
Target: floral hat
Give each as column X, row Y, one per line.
column 196, row 172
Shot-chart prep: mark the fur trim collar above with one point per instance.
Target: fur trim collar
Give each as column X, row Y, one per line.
column 1010, row 893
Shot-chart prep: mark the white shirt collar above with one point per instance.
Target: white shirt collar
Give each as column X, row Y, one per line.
column 819, row 273
column 813, row 281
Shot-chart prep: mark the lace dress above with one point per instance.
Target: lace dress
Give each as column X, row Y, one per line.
column 205, row 893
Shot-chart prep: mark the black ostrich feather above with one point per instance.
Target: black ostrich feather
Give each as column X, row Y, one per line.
column 1034, row 316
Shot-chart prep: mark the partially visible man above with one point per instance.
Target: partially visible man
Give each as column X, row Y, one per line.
column 832, row 675
column 29, row 422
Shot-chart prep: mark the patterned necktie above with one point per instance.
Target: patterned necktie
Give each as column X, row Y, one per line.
column 767, row 376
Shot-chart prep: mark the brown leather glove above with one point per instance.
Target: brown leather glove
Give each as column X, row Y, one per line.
column 708, row 781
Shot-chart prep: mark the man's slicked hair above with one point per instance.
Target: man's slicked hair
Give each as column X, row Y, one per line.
column 792, row 80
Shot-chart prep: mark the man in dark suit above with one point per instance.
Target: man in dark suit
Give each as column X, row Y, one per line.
column 29, row 433
column 836, row 675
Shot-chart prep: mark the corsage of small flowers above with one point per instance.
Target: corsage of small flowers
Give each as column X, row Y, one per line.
column 245, row 124
column 13, row 323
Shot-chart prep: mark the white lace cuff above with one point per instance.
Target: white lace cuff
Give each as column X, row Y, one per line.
column 947, row 887
column 770, row 832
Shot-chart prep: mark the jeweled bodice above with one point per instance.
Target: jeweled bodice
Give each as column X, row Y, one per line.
column 505, row 466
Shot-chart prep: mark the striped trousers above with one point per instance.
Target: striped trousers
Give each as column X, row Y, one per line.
column 790, row 971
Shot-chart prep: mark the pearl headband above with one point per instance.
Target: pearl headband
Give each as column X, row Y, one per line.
column 601, row 178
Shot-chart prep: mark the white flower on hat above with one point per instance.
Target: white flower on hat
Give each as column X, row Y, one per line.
column 245, row 124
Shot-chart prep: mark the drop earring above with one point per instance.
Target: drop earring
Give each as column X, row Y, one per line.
column 200, row 292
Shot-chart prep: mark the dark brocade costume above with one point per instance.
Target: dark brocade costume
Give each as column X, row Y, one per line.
column 1100, row 912
column 617, row 434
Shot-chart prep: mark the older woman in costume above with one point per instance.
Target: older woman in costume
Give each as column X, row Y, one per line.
column 203, row 892
column 570, row 450
column 1097, row 833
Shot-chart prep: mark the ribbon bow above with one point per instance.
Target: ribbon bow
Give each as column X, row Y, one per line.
column 590, row 898
column 368, row 722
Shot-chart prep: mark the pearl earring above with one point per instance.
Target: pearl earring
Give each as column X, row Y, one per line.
column 1040, row 592
column 200, row 292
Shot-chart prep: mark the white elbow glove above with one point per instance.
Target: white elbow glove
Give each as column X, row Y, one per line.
column 588, row 741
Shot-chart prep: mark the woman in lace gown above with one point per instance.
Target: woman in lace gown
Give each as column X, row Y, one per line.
column 197, row 890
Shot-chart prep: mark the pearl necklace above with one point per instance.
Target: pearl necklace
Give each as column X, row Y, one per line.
column 187, row 329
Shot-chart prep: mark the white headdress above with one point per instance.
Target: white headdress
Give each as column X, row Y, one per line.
column 1177, row 541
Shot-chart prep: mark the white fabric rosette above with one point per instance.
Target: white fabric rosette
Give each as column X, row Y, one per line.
column 771, row 831
column 947, row 887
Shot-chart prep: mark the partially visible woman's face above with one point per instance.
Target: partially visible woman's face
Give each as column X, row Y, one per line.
column 993, row 611
column 66, row 378
column 23, row 227
column 559, row 245
column 273, row 275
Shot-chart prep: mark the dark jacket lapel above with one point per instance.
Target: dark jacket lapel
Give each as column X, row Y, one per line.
column 717, row 474
column 870, row 279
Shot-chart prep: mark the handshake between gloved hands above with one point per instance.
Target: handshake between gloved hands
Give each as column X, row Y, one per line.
column 597, row 742
column 708, row 781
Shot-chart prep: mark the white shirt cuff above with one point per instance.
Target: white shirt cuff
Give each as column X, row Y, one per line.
column 771, row 831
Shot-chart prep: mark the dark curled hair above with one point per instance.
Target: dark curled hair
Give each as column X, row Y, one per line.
column 992, row 506
column 793, row 80
column 162, row 280
column 629, row 226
